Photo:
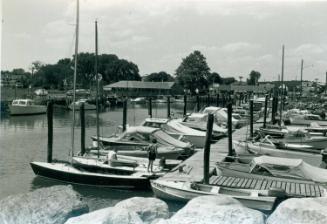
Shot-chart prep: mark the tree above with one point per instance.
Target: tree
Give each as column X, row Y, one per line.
column 159, row 77
column 254, row 77
column 193, row 72
column 214, row 77
column 228, row 80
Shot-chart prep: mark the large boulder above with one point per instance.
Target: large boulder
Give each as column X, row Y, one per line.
column 53, row 205
column 304, row 210
column 216, row 209
column 148, row 209
column 109, row 215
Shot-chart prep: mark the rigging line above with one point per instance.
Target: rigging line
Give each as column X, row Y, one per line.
column 75, row 74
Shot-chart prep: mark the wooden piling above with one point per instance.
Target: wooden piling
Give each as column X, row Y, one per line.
column 230, row 129
column 168, row 106
column 124, row 114
column 82, row 118
column 50, row 130
column 185, row 104
column 206, row 154
column 251, row 118
column 197, row 102
column 150, row 107
column 265, row 112
column 217, row 100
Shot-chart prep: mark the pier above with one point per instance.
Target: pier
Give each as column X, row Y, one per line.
column 192, row 168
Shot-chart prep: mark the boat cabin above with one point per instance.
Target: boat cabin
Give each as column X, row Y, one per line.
column 23, row 102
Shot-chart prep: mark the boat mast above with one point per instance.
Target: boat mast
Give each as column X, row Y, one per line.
column 75, row 74
column 282, row 94
column 97, row 84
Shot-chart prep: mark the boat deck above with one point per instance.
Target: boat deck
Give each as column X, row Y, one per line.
column 292, row 188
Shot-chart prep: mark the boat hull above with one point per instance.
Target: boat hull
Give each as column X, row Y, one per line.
column 248, row 150
column 183, row 195
column 66, row 173
column 27, row 110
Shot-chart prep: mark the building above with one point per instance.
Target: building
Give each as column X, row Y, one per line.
column 138, row 88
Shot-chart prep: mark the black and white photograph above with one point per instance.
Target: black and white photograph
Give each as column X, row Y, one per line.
column 163, row 112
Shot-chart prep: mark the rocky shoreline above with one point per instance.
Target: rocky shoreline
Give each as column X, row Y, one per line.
column 62, row 205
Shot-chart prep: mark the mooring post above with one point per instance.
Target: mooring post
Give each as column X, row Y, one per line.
column 230, row 129
column 251, row 118
column 206, row 154
column 197, row 102
column 168, row 106
column 265, row 112
column 150, row 107
column 50, row 130
column 82, row 118
column 124, row 114
column 185, row 104
column 217, row 100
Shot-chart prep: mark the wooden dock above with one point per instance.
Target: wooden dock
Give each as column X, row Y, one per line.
column 294, row 188
column 193, row 166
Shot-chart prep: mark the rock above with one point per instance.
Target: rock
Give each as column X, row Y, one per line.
column 303, row 210
column 109, row 215
column 148, row 209
column 216, row 209
column 53, row 205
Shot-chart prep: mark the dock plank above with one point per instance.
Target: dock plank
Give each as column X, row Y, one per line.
column 292, row 191
column 288, row 187
column 221, row 180
column 258, row 184
column 302, row 190
column 254, row 182
column 297, row 189
column 240, row 182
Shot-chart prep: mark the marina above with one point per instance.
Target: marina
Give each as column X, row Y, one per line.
column 130, row 136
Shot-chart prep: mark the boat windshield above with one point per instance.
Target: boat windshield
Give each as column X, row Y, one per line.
column 152, row 124
column 262, row 170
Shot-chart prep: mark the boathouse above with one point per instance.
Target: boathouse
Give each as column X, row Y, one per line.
column 139, row 88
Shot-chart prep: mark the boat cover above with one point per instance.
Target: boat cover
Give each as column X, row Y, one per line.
column 296, row 165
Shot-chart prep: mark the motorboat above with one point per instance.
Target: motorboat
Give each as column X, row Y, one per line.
column 274, row 167
column 185, row 191
column 26, row 107
column 307, row 119
column 246, row 150
column 176, row 129
column 78, row 103
column 138, row 100
column 301, row 136
column 135, row 140
column 275, row 131
column 198, row 121
column 66, row 172
column 316, row 128
column 221, row 116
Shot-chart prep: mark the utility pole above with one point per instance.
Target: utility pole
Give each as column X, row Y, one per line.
column 301, row 78
column 282, row 94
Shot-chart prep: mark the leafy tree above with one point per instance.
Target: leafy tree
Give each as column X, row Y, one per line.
column 254, row 77
column 193, row 72
column 228, row 80
column 214, row 77
column 159, row 77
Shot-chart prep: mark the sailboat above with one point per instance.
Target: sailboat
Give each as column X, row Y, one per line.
column 72, row 173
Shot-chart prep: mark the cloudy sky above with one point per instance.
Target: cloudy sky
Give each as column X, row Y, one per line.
column 235, row 36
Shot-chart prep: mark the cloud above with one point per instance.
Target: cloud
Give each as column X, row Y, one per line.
column 239, row 46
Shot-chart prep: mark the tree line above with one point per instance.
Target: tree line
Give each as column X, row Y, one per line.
column 192, row 75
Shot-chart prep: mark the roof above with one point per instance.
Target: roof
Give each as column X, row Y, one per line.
column 277, row 161
column 139, row 85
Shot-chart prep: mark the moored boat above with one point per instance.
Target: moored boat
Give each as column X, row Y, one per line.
column 185, row 191
column 67, row 173
column 26, row 107
column 78, row 103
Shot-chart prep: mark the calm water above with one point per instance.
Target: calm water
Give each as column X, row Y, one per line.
column 24, row 139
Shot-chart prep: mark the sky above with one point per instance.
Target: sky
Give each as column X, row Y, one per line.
column 234, row 36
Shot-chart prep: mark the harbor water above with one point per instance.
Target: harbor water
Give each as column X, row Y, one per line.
column 23, row 139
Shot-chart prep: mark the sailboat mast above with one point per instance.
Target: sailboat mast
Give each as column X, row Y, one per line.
column 97, row 85
column 75, row 74
column 282, row 94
